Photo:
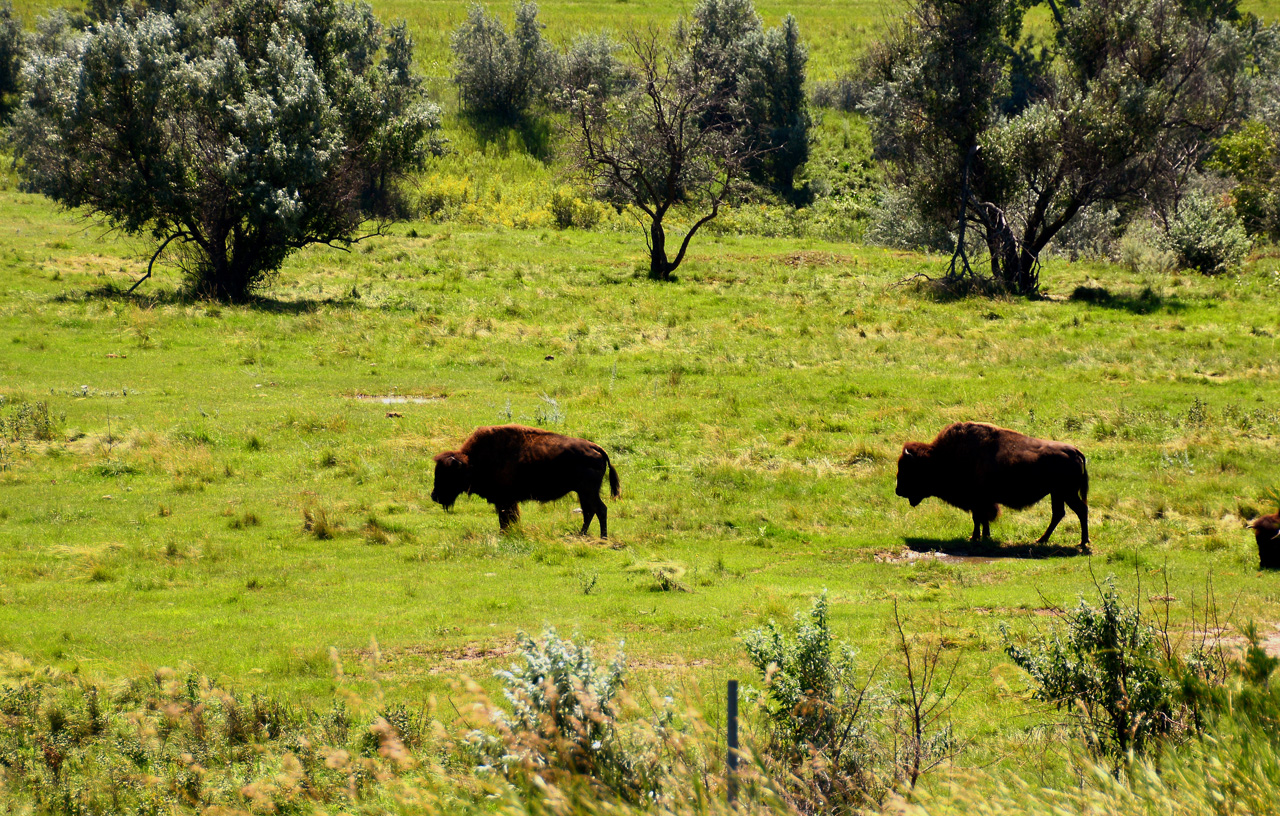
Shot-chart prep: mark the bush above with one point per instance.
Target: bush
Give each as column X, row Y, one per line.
column 501, row 75
column 843, row 94
column 1251, row 158
column 589, row 66
column 1109, row 670
column 1207, row 236
column 564, row 718
column 569, row 210
column 1142, row 250
column 239, row 140
column 758, row 79
column 818, row 713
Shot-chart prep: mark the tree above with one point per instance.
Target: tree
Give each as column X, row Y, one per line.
column 758, row 78
column 12, row 42
column 499, row 74
column 990, row 129
column 656, row 145
column 243, row 129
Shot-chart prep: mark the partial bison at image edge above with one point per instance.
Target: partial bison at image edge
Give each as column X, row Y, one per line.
column 508, row 464
column 977, row 467
column 1266, row 531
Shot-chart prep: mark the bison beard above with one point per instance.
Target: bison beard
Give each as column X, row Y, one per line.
column 508, row 464
column 978, row 467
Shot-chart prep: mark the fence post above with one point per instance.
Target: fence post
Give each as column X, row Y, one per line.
column 732, row 774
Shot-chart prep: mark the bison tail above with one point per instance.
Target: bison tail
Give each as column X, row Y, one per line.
column 1084, row 479
column 615, row 489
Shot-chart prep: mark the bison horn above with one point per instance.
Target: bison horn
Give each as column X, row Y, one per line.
column 907, row 451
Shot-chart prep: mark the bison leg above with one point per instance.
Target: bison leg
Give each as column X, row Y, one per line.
column 588, row 503
column 508, row 515
column 1081, row 508
column 979, row 527
column 1058, row 514
column 592, row 506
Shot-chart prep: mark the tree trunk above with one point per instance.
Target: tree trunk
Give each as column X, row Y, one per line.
column 659, row 268
column 1011, row 262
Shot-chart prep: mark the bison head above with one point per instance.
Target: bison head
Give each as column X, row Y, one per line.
column 452, row 478
column 913, row 473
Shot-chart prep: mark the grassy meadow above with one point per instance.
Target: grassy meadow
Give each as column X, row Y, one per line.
column 242, row 491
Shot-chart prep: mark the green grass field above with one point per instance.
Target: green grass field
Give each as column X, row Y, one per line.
column 161, row 459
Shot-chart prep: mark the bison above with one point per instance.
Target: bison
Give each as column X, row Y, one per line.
column 508, row 464
column 978, row 467
column 1266, row 530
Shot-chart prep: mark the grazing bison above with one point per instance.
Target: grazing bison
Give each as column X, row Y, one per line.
column 977, row 467
column 508, row 464
column 1267, row 532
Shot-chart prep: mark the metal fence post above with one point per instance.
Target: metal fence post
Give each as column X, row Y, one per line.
column 732, row 774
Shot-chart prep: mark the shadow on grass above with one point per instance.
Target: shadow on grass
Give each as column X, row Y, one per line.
column 530, row 134
column 964, row 548
column 179, row 297
column 1140, row 303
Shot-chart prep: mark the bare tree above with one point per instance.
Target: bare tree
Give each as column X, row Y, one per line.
column 654, row 146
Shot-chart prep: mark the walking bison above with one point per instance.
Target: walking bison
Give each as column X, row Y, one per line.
column 508, row 464
column 978, row 467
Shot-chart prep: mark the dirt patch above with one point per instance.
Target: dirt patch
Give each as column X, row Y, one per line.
column 910, row 556
column 418, row 659
column 815, row 258
column 397, row 399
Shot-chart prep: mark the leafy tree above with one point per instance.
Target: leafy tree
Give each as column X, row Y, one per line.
column 1016, row 137
column 501, row 74
column 758, row 79
column 12, row 40
column 658, row 145
column 242, row 129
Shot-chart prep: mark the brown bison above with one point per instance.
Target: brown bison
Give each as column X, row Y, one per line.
column 508, row 464
column 1266, row 530
column 978, row 467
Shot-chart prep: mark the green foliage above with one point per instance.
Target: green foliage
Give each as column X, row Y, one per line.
column 591, row 65
column 12, row 51
column 1109, row 671
column 819, row 713
column 1017, row 136
column 241, row 140
column 500, row 74
column 1207, row 236
column 565, row 718
column 1250, row 156
column 757, row 79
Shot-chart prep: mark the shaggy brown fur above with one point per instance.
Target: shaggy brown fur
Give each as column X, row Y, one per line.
column 1266, row 530
column 508, row 464
column 978, row 467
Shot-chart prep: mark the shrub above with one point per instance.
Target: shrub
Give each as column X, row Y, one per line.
column 1142, row 250
column 564, row 718
column 1109, row 670
column 1251, row 157
column 843, row 94
column 501, row 74
column 818, row 713
column 567, row 210
column 1207, row 236
column 590, row 66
